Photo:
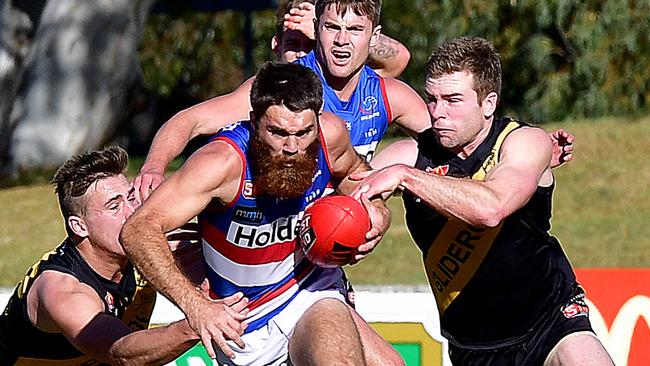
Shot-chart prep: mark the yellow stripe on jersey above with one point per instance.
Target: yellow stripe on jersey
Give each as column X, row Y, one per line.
column 454, row 257
column 459, row 249
column 31, row 274
column 138, row 313
column 493, row 158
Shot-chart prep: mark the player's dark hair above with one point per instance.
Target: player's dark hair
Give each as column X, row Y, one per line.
column 369, row 8
column 72, row 179
column 283, row 8
column 472, row 54
column 294, row 86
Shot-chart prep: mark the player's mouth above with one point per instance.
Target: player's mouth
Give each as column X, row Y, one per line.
column 341, row 57
column 442, row 131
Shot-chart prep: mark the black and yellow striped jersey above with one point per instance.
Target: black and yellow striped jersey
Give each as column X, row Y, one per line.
column 130, row 300
column 491, row 284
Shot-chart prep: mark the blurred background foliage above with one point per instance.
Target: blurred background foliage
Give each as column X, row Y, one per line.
column 201, row 54
column 561, row 58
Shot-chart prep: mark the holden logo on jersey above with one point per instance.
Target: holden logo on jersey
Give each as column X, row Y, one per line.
column 439, row 170
column 282, row 230
column 368, row 105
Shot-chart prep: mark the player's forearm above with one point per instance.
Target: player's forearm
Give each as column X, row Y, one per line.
column 388, row 56
column 465, row 199
column 169, row 142
column 346, row 185
column 153, row 346
column 146, row 245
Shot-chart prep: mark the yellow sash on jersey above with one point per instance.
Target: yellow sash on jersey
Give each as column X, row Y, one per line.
column 459, row 249
column 138, row 313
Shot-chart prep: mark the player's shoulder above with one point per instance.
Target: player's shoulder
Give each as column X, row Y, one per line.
column 527, row 141
column 396, row 85
column 220, row 156
column 335, row 135
column 399, row 92
column 528, row 134
column 333, row 127
column 59, row 302
column 52, row 287
column 53, row 281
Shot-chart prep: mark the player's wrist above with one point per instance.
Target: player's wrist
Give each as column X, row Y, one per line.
column 404, row 176
column 153, row 167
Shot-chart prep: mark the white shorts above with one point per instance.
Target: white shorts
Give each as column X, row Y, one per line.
column 269, row 345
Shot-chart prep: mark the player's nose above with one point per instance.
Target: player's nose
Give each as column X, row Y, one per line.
column 342, row 37
column 290, row 145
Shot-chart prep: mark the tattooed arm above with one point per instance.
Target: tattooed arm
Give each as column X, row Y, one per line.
column 388, row 57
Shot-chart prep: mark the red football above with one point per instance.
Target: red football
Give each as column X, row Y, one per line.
column 332, row 228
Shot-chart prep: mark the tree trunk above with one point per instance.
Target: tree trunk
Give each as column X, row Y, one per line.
column 16, row 35
column 73, row 93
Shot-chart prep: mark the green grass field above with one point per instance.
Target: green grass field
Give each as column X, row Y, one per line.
column 602, row 205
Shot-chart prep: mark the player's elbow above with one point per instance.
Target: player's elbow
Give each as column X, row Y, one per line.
column 398, row 63
column 116, row 357
column 121, row 361
column 404, row 57
column 487, row 216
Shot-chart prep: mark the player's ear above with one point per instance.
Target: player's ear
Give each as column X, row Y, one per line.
column 78, row 226
column 275, row 46
column 251, row 116
column 489, row 104
column 375, row 35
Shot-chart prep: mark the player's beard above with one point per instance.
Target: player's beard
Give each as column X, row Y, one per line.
column 280, row 175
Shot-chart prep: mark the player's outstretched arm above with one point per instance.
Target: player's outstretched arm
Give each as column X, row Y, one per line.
column 161, row 344
column 204, row 118
column 157, row 345
column 399, row 152
column 62, row 304
column 213, row 172
column 524, row 164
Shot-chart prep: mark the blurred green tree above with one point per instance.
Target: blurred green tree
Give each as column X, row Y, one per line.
column 561, row 58
column 201, row 54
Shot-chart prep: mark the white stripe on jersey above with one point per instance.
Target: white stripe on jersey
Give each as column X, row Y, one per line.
column 274, row 303
column 248, row 274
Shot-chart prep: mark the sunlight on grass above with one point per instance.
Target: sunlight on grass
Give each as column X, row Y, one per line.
column 30, row 225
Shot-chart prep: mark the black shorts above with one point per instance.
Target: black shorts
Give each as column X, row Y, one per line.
column 533, row 349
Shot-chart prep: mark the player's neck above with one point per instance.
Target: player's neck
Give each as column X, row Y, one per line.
column 343, row 86
column 467, row 150
column 104, row 263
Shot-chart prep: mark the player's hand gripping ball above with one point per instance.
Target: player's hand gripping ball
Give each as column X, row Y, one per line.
column 332, row 229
